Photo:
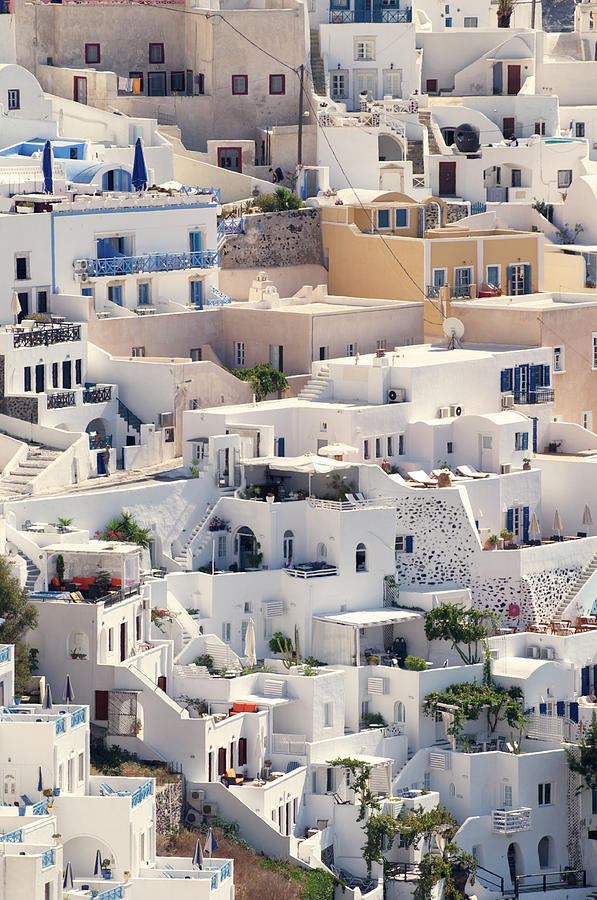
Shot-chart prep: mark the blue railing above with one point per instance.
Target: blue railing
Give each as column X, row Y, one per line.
column 12, row 837
column 40, row 808
column 214, row 882
column 478, row 207
column 539, row 395
column 60, row 725
column 218, row 298
column 230, row 226
column 77, row 717
column 5, row 654
column 225, row 871
column 214, row 194
column 154, row 262
column 114, row 893
column 100, row 441
column 393, row 16
column 47, row 859
column 146, row 790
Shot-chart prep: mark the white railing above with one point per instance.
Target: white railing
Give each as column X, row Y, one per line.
column 550, row 728
column 379, row 503
column 311, row 573
column 292, row 744
column 507, row 821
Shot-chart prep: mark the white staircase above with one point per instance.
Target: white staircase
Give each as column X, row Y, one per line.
column 575, row 585
column 19, row 482
column 185, row 557
column 319, row 387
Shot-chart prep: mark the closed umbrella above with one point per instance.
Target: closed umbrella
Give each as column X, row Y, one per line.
column 15, row 306
column 587, row 519
column 211, row 845
column 47, row 701
column 47, row 167
column 67, row 884
column 198, row 855
column 98, row 863
column 534, row 529
column 557, row 523
column 140, row 176
column 69, row 695
column 250, row 653
column 40, row 781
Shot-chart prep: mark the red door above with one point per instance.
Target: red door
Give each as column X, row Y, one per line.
column 513, row 79
column 508, row 127
column 101, row 705
column 162, row 683
column 447, row 179
column 222, row 761
column 230, row 158
column 80, row 89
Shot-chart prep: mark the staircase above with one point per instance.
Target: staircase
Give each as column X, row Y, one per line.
column 33, row 572
column 185, row 557
column 317, row 69
column 318, row 387
column 133, row 422
column 414, row 153
column 19, row 483
column 575, row 585
column 426, row 120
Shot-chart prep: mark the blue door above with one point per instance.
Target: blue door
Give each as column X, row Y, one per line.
column 195, row 241
column 197, row 293
column 535, row 420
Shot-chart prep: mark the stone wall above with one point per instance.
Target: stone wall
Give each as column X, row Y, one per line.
column 288, row 238
column 453, row 213
column 169, row 802
column 24, row 408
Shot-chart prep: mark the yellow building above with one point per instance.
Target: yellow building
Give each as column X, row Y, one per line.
column 387, row 245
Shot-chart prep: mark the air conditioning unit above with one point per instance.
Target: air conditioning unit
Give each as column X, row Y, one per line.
column 166, row 420
column 79, row 265
column 456, row 409
column 193, row 818
column 210, row 809
column 508, row 401
column 548, row 653
column 169, row 435
column 197, row 796
column 506, row 469
column 532, row 652
column 396, row 395
column 443, row 412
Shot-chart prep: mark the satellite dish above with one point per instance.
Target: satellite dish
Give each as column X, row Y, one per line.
column 453, row 329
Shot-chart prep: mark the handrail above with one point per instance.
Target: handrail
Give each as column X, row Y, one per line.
column 498, row 880
column 568, row 877
column 153, row 262
column 142, row 792
column 39, row 337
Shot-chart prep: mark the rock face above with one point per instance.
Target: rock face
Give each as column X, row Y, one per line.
column 558, row 15
column 169, row 806
column 290, row 238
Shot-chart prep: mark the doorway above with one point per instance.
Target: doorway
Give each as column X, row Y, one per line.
column 40, row 379
column 515, row 862
column 508, row 127
column 486, row 453
column 230, row 158
column 156, row 84
column 246, row 545
column 9, row 786
column 513, row 79
column 447, row 179
column 80, row 89
column 365, row 81
column 122, row 641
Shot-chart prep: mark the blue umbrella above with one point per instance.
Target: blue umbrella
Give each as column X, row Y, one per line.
column 98, row 864
column 40, row 782
column 198, row 855
column 69, row 694
column 211, row 845
column 47, row 167
column 47, row 701
column 140, row 176
column 67, row 884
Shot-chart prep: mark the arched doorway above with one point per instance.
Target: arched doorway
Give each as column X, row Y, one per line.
column 399, row 711
column 288, row 547
column 361, row 558
column 545, row 852
column 244, row 545
column 515, row 862
column 97, row 426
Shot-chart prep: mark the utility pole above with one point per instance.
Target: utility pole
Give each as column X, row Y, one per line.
column 300, row 118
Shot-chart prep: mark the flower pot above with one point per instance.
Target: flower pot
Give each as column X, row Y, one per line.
column 444, row 480
column 526, row 467
column 270, row 498
column 17, row 701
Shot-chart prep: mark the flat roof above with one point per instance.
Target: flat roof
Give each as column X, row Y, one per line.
column 516, row 666
column 93, row 547
column 529, row 302
column 369, row 617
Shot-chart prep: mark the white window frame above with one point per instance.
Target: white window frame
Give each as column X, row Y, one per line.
column 401, row 444
column 364, row 49
column 351, row 349
column 519, row 439
column 399, row 544
column 499, row 271
column 445, row 276
column 239, row 354
column 564, row 182
column 544, row 785
column 390, row 445
column 470, row 22
column 379, row 446
column 468, row 269
column 517, row 269
column 559, row 359
column 226, row 631
column 337, row 74
column 328, row 714
column 401, row 227
column 26, row 255
column 137, row 352
column 387, row 227
column 390, row 75
column 366, row 448
column 222, row 549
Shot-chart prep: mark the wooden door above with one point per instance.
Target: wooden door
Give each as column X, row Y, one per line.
column 508, row 127
column 101, row 705
column 122, row 641
column 513, row 79
column 222, row 761
column 80, row 90
column 447, row 179
column 162, row 683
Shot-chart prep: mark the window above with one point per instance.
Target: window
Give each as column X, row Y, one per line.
column 143, row 293
column 392, row 83
column 580, row 129
column 544, row 794
column 493, row 276
column 519, row 279
column 196, row 289
column 226, row 631
column 27, row 379
column 403, row 543
column 361, row 558
column 383, row 218
column 177, row 82
column 364, row 48
column 558, row 359
column 507, row 380
column 594, row 801
column 564, row 178
column 78, row 371
column 377, row 448
column 200, row 83
column 92, row 54
column 339, row 83
column 156, row 84
column 81, row 766
column 195, row 354
column 54, row 374
column 277, row 84
column 381, row 344
column 431, row 86
column 239, row 353
column 400, row 445
column 594, row 340
column 516, row 177
column 427, row 781
column 137, row 351
column 14, row 99
column 328, row 715
column 449, row 136
column 586, row 420
column 115, row 294
column 137, row 77
column 401, row 218
column 521, row 440
column 471, row 22
column 195, row 240
column 540, row 127
column 42, row 301
column 21, row 268
column 156, row 53
column 366, row 451
column 390, row 445
column 486, row 442
column 449, row 447
column 222, row 546
column 350, row 349
column 240, row 84
column 507, row 796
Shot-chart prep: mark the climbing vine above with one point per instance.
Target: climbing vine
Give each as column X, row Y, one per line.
column 360, row 772
column 468, row 700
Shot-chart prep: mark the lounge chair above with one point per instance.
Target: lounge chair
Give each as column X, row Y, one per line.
column 421, row 477
column 471, row 472
column 435, row 473
column 231, row 777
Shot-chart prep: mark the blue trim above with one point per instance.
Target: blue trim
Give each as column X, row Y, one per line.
column 525, row 524
column 123, row 209
column 585, row 681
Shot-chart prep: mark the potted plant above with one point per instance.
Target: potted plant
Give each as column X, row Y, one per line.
column 507, row 536
column 491, row 542
column 17, row 699
column 127, row 875
column 57, row 837
column 443, row 479
column 60, row 568
column 138, row 725
column 107, row 868
column 269, row 498
column 526, row 464
column 267, row 767
column 374, row 660
column 103, row 581
column 254, row 559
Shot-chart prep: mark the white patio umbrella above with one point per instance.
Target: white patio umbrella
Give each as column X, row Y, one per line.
column 15, row 306
column 587, row 519
column 250, row 653
column 557, row 522
column 534, row 529
column 337, row 450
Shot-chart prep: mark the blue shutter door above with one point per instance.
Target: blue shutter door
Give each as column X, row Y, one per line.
column 584, row 681
column 504, row 380
column 525, row 440
column 574, row 712
column 546, row 374
column 280, row 446
column 517, row 382
column 595, row 677
column 560, row 708
column 535, row 420
column 527, row 279
column 543, row 709
column 510, row 278
column 532, row 378
column 197, row 293
column 525, row 524
column 195, row 237
column 510, row 519
column 409, row 543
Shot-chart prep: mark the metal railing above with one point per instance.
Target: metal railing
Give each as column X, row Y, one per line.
column 230, row 226
column 47, row 859
column 153, row 262
column 374, row 502
column 61, row 400
column 100, row 441
column 461, row 291
column 477, row 207
column 489, row 879
column 114, row 893
column 97, row 395
column 40, row 808
column 550, row 881
column 393, row 16
column 311, row 573
column 5, row 654
column 507, row 821
column 44, row 337
column 218, row 298
column 539, row 395
column 142, row 792
column 12, row 837
column 60, row 725
column 77, row 717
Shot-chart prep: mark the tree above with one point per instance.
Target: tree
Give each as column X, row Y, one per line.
column 264, row 378
column 467, row 701
column 282, row 199
column 19, row 615
column 504, row 12
column 583, row 759
column 462, row 627
column 125, row 528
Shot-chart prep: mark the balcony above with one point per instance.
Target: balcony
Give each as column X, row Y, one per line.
column 388, row 15
column 509, row 821
column 539, row 395
column 97, row 394
column 61, row 399
column 153, row 262
column 311, row 570
column 46, row 336
column 47, row 859
column 455, row 292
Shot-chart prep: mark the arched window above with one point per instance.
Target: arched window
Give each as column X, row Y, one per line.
column 452, row 789
column 322, row 551
column 361, row 558
column 544, row 852
column 288, row 546
column 399, row 711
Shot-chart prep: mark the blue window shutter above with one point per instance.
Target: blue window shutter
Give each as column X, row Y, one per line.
column 543, row 709
column 584, row 681
column 143, row 294
column 560, row 708
column 574, row 712
column 510, row 277
column 546, row 376
column 525, row 440
column 595, row 677
column 532, row 378
column 195, row 241
column 535, row 420
column 400, row 218
column 525, row 524
column 510, row 520
column 504, row 380
column 517, row 380
column 281, row 446
column 409, row 543
column 527, row 279
column 383, row 218
column 197, row 293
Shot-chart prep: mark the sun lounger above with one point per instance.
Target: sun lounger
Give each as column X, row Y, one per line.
column 471, row 472
column 421, row 477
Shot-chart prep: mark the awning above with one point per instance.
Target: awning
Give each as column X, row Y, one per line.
column 368, row 618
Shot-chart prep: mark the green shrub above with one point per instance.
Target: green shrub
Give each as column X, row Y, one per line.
column 279, row 201
column 415, row 664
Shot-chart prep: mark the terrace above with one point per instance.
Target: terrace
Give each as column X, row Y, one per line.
column 152, row 262
column 42, row 334
column 98, row 571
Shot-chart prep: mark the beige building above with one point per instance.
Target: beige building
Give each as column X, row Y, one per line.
column 565, row 322
column 288, row 333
